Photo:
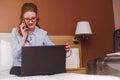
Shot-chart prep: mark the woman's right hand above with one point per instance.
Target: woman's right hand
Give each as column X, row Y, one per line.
column 24, row 30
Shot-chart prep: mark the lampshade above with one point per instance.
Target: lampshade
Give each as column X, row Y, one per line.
column 83, row 27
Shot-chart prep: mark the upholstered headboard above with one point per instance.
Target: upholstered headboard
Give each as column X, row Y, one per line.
column 58, row 40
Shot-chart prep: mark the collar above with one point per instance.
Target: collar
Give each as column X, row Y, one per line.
column 35, row 30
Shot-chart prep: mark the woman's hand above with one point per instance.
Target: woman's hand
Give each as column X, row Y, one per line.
column 24, row 30
column 67, row 47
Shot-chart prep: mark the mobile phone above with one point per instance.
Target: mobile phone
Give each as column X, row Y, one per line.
column 25, row 24
column 25, row 27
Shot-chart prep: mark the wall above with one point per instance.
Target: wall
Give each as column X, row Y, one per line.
column 116, row 8
column 10, row 13
column 59, row 17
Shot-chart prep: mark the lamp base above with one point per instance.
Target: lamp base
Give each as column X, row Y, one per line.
column 79, row 38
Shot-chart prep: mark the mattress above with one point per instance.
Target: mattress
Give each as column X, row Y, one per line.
column 4, row 75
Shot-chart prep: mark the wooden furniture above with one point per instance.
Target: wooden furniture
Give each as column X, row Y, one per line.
column 61, row 40
column 79, row 70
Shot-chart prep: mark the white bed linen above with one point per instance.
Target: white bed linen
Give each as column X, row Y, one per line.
column 4, row 75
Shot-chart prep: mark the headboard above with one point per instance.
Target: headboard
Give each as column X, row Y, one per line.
column 58, row 40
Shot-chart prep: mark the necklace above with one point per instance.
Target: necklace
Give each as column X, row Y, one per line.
column 29, row 40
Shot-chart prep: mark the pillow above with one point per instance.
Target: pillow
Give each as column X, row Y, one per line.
column 6, row 58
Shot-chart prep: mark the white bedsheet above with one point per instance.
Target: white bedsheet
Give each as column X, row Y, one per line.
column 4, row 75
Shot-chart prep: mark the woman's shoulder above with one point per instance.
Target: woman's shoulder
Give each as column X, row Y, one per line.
column 14, row 30
column 40, row 30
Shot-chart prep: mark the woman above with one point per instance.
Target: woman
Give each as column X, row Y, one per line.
column 28, row 33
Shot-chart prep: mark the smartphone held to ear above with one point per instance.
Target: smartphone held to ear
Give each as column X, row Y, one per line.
column 25, row 27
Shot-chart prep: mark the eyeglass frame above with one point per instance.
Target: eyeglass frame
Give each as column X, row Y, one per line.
column 33, row 19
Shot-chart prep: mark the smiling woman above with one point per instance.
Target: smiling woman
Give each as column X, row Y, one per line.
column 28, row 33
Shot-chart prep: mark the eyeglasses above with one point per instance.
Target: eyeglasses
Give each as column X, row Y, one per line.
column 33, row 19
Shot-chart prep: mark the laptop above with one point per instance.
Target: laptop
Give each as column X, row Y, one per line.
column 43, row 60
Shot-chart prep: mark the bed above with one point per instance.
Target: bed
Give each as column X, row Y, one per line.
column 6, row 62
column 62, row 76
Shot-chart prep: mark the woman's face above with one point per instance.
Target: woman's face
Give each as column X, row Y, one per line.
column 30, row 19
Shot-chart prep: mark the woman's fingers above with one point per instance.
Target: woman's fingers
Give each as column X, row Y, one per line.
column 67, row 47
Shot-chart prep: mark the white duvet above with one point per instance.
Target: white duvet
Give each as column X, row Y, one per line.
column 4, row 75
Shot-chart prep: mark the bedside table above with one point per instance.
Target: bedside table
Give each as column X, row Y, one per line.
column 77, row 70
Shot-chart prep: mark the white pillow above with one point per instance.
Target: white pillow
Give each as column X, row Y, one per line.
column 6, row 58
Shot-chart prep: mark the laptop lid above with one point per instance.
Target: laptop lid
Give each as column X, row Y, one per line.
column 43, row 60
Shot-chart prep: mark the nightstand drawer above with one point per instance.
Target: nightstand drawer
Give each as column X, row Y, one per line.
column 79, row 70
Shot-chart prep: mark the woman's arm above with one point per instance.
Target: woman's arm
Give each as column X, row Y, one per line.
column 16, row 47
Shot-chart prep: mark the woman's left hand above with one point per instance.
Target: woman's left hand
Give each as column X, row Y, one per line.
column 67, row 47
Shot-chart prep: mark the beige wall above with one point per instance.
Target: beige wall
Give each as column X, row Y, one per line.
column 59, row 17
column 116, row 8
